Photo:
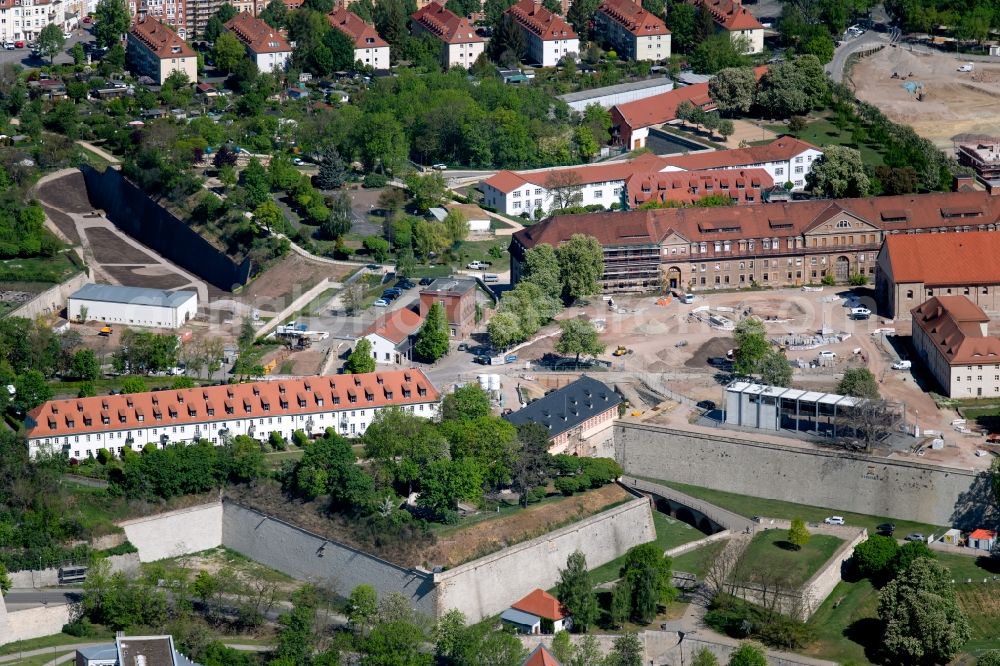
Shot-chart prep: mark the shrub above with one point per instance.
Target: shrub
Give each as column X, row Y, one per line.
column 276, row 441
column 374, row 180
column 81, row 628
column 858, row 280
column 567, row 485
column 123, row 548
column 300, row 438
column 829, row 280
column 103, row 456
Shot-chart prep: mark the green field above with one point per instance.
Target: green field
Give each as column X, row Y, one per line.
column 756, row 506
column 50, row 270
column 770, row 551
column 822, row 132
column 699, row 560
column 670, row 533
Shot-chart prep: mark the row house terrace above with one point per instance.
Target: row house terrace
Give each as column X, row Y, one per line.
column 774, row 244
column 347, row 403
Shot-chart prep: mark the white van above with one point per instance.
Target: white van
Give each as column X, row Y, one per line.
column 902, row 365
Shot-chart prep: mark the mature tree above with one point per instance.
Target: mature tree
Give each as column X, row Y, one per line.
column 716, row 53
column 507, row 46
column 530, row 468
column 111, row 22
column 649, row 574
column 85, row 365
column 31, row 390
column 269, row 217
column 381, row 141
column 991, row 658
column 541, row 268
column 783, row 91
column 627, row 650
column 466, row 403
column 859, row 383
column 775, row 370
column 504, row 330
column 256, row 183
column 432, row 339
column 464, row 7
column 341, row 51
column 908, row 552
column 430, row 238
column 840, row 172
column 338, row 222
column 576, row 592
column 227, row 52
column 579, row 336
column 726, row 128
column 50, row 41
column 427, row 190
column 923, row 621
column 456, row 225
column 361, row 359
column 586, row 144
column 874, row 557
column 332, row 172
column 752, row 345
column 704, row 657
column 798, row 533
column 134, row 385
column 444, row 483
column 378, row 248
column 494, row 11
column 581, row 265
column 748, row 654
column 275, row 14
column 213, row 28
column 565, row 188
column 733, row 90
column 681, row 21
column 581, row 15
column 390, row 21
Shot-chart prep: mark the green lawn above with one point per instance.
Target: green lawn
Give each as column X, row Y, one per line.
column 771, row 550
column 758, row 506
column 822, row 132
column 846, row 622
column 976, row 568
column 53, row 640
column 670, row 533
column 699, row 560
column 50, row 270
column 981, row 606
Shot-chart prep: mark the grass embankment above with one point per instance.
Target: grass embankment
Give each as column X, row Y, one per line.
column 823, row 132
column 745, row 505
column 670, row 533
column 770, row 550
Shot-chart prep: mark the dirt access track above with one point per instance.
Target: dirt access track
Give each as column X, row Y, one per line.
column 957, row 106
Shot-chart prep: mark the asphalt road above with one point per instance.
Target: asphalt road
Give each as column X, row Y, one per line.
column 835, row 68
column 25, row 58
column 21, row 599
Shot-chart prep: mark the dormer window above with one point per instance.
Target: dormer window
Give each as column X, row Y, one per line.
column 421, row 391
column 369, row 396
column 175, row 49
column 192, row 411
column 172, row 411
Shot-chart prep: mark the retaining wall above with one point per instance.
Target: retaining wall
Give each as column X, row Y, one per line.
column 32, row 622
column 127, row 563
column 52, row 300
column 140, row 217
column 176, row 533
column 821, row 584
column 307, row 556
column 487, row 586
column 839, row 480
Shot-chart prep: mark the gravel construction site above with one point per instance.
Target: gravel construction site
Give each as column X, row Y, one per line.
column 953, row 106
column 669, row 349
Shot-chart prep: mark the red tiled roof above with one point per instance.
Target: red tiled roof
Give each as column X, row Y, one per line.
column 730, row 14
column 446, row 25
column 160, row 39
column 945, row 259
column 662, row 108
column 354, row 27
column 507, row 181
column 257, row 35
column 541, row 603
column 190, row 406
column 540, row 21
column 685, row 187
column 955, row 325
column 541, row 657
column 779, row 150
column 770, row 221
column 396, row 326
column 983, row 534
column 633, row 17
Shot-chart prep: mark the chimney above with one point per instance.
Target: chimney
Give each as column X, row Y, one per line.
column 963, row 182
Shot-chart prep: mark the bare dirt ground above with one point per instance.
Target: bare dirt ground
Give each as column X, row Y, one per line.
column 289, row 278
column 152, row 277
column 489, row 536
column 109, row 248
column 955, row 103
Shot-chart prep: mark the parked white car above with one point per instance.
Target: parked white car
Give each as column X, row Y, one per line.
column 477, row 265
column 834, row 520
column 902, row 365
column 827, row 354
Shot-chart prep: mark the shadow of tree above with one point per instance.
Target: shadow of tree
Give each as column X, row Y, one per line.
column 786, row 545
column 867, row 632
column 976, row 506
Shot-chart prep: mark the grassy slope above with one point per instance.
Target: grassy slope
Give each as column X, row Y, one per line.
column 670, row 533
column 771, row 550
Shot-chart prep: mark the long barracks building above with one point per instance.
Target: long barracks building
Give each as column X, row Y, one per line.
column 80, row 427
column 774, row 244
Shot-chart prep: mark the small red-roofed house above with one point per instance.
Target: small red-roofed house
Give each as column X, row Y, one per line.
column 982, row 539
column 369, row 47
column 460, row 45
column 541, row 657
column 537, row 613
column 732, row 17
column 392, row 336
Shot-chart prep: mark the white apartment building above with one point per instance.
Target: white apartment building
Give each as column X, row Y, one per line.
column 132, row 306
column 634, row 32
column 156, row 51
column 22, row 20
column 392, row 336
column 460, row 45
column 517, row 192
column 266, row 46
column 732, row 17
column 369, row 48
column 548, row 36
column 950, row 337
column 79, row 428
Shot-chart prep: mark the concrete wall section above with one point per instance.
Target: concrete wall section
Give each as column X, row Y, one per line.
column 176, row 533
column 32, row 622
column 52, row 300
column 488, row 585
column 310, row 557
column 819, row 587
column 804, row 475
column 128, row 564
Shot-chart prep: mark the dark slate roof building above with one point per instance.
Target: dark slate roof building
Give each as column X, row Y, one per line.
column 575, row 411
